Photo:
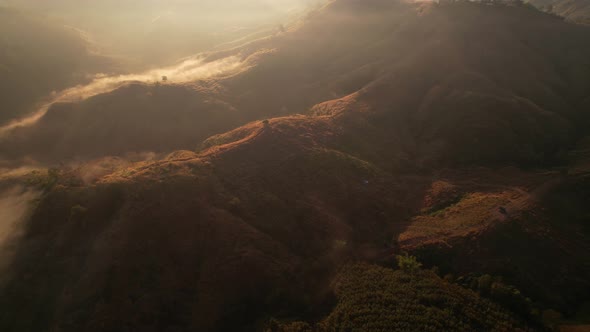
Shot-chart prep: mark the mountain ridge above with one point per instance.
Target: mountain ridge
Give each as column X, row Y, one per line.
column 408, row 143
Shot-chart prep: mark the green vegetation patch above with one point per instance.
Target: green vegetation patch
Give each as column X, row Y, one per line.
column 44, row 180
column 473, row 212
column 373, row 298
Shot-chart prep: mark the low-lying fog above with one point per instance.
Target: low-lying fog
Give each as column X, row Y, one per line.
column 15, row 207
column 188, row 70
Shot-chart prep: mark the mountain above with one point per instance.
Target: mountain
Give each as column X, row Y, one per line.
column 403, row 71
column 455, row 133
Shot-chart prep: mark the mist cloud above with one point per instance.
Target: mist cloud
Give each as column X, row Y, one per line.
column 16, row 205
column 189, row 70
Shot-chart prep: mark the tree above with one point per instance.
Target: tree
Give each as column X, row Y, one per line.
column 408, row 263
column 484, row 284
column 76, row 212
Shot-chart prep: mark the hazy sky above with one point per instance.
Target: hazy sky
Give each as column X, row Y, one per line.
column 158, row 31
column 183, row 11
column 253, row 7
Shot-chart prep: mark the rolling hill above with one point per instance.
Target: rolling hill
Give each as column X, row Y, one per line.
column 455, row 133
